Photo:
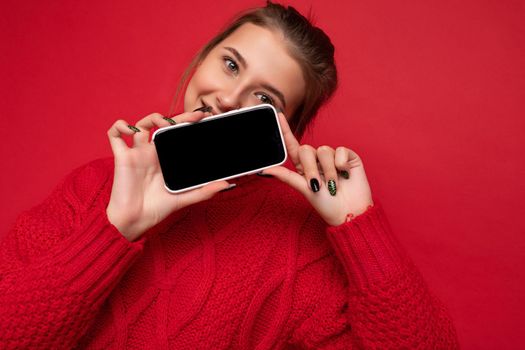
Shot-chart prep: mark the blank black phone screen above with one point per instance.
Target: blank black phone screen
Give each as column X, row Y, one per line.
column 213, row 149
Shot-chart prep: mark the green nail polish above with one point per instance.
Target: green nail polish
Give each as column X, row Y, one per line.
column 331, row 187
column 169, row 120
column 345, row 174
column 134, row 128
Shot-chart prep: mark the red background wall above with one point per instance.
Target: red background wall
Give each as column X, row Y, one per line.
column 431, row 97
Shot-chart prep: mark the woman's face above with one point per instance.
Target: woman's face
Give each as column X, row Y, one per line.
column 249, row 67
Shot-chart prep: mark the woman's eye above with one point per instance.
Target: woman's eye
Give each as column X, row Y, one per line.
column 231, row 64
column 265, row 99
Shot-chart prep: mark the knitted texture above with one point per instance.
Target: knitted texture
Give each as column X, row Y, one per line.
column 251, row 268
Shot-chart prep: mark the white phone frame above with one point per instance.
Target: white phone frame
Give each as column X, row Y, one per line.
column 222, row 115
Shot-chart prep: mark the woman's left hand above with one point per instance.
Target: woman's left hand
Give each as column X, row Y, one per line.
column 337, row 194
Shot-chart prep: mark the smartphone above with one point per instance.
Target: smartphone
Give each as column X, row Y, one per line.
column 220, row 147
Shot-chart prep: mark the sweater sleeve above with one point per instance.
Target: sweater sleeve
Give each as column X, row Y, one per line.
column 60, row 262
column 387, row 303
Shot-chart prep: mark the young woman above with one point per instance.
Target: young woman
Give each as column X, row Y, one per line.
column 301, row 259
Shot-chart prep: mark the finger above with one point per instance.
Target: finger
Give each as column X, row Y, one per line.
column 202, row 193
column 289, row 177
column 346, row 159
column 190, row 117
column 326, row 156
column 308, row 159
column 349, row 161
column 115, row 132
column 292, row 145
column 154, row 120
column 145, row 125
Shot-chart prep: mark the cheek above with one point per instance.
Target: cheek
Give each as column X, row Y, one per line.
column 192, row 91
column 191, row 94
column 203, row 82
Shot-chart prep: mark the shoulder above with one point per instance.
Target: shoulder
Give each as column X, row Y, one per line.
column 88, row 181
column 95, row 169
column 82, row 191
column 81, row 187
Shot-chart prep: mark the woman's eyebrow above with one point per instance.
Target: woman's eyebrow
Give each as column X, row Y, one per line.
column 238, row 56
column 276, row 92
column 270, row 88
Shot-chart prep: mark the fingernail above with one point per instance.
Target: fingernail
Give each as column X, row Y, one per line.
column 314, row 184
column 345, row 174
column 261, row 174
column 134, row 128
column 230, row 187
column 169, row 120
column 331, row 187
column 203, row 109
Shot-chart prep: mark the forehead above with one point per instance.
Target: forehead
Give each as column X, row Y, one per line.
column 268, row 61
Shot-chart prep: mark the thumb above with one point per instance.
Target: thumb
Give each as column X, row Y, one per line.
column 211, row 189
column 203, row 193
column 288, row 177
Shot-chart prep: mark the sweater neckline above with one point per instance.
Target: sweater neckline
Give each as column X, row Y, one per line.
column 248, row 187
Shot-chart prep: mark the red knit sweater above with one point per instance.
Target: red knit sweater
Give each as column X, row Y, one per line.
column 252, row 268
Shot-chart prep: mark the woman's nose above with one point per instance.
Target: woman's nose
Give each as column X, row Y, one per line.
column 228, row 100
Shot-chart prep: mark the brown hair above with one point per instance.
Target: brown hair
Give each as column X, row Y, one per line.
column 308, row 44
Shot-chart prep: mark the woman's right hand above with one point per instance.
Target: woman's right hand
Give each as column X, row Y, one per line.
column 139, row 199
